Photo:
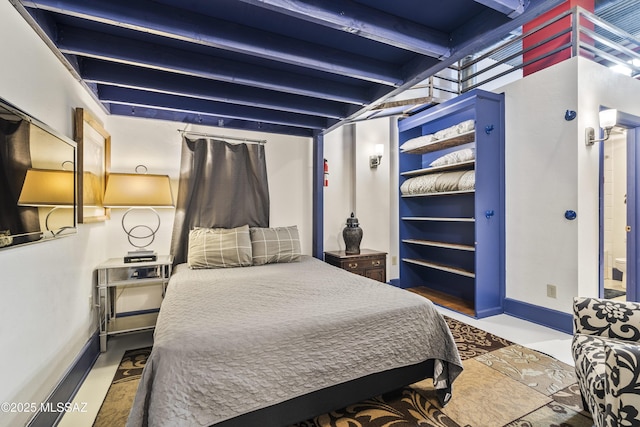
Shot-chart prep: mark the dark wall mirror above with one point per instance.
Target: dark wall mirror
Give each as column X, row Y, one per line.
column 38, row 187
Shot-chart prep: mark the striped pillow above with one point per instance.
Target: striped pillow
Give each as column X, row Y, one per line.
column 219, row 247
column 280, row 244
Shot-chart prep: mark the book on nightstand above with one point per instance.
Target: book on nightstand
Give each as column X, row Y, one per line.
column 140, row 256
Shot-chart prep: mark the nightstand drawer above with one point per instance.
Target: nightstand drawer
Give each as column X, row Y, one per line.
column 355, row 265
column 368, row 263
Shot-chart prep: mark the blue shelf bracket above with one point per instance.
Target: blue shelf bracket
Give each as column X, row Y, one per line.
column 489, row 214
column 488, row 129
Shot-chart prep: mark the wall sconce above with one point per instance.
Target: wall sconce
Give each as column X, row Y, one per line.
column 374, row 161
column 608, row 119
column 139, row 191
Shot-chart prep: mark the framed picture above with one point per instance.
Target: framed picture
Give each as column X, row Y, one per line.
column 94, row 160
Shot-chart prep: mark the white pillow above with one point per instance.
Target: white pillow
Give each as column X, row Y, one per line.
column 418, row 142
column 455, row 130
column 446, row 133
column 459, row 156
column 466, row 126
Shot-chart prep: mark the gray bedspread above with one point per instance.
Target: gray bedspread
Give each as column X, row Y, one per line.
column 230, row 341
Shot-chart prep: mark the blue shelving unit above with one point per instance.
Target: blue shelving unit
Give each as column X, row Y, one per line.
column 452, row 243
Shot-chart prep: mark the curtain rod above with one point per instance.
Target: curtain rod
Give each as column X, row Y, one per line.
column 212, row 135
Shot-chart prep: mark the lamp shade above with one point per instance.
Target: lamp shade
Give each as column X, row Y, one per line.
column 46, row 187
column 128, row 190
column 608, row 118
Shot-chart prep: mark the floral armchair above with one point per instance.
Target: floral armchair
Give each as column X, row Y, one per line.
column 606, row 350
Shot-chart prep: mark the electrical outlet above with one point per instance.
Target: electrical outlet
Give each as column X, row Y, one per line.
column 90, row 301
column 394, row 260
column 551, row 291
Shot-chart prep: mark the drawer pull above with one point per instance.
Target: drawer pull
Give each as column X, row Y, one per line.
column 376, row 263
column 353, row 265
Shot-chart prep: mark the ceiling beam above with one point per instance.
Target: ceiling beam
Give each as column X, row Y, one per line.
column 93, row 44
column 464, row 44
column 490, row 26
column 207, row 120
column 140, row 98
column 159, row 19
column 363, row 21
column 114, row 74
column 476, row 29
column 511, row 8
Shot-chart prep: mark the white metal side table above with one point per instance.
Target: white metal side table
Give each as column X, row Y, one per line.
column 115, row 273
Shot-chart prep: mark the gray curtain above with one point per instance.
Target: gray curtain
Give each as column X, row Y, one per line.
column 221, row 185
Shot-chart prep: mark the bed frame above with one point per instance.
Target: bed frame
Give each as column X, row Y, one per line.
column 328, row 399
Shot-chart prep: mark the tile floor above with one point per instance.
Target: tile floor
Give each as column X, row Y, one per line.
column 95, row 386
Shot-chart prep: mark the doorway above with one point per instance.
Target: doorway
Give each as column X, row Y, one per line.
column 619, row 205
column 614, row 184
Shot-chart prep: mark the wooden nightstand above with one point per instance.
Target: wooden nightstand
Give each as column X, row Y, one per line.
column 115, row 273
column 368, row 263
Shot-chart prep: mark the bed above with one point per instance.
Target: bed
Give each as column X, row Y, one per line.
column 274, row 344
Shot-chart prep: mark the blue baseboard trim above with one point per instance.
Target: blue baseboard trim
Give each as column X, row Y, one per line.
column 553, row 319
column 68, row 385
column 489, row 312
column 396, row 283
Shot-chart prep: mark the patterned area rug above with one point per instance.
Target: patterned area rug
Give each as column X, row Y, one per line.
column 117, row 404
column 503, row 384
